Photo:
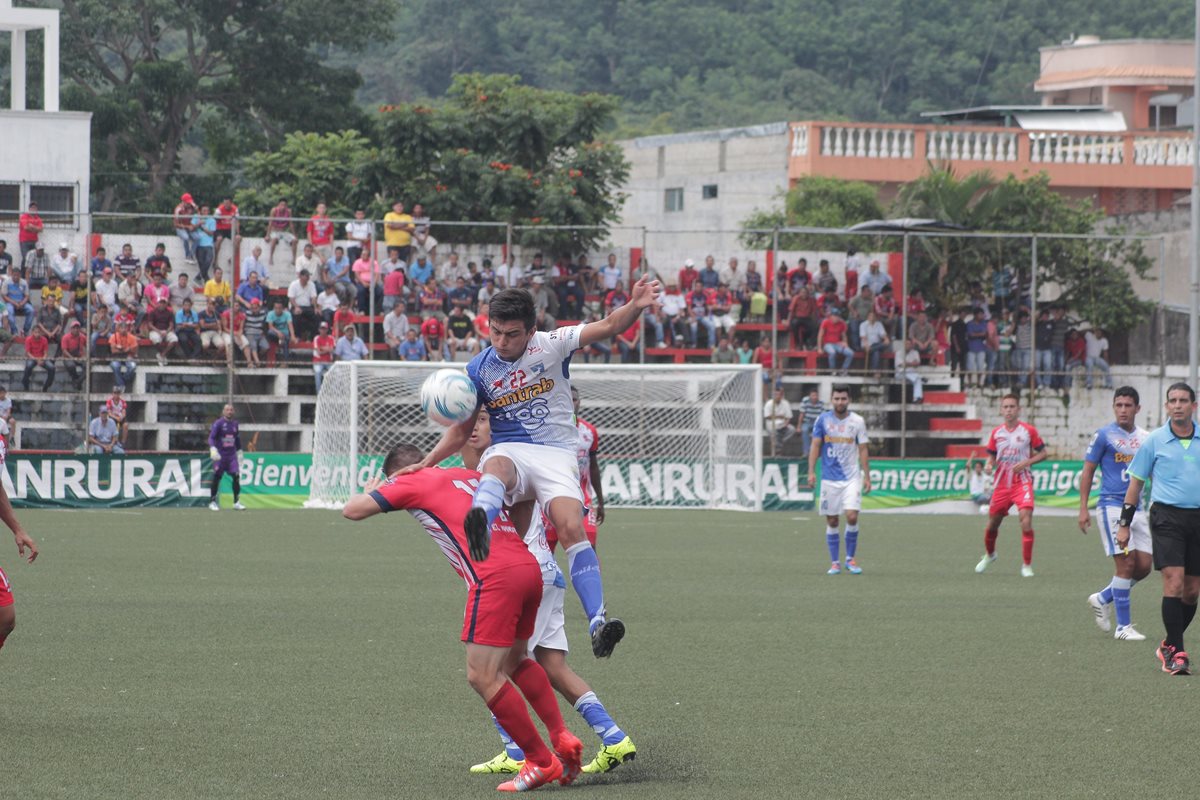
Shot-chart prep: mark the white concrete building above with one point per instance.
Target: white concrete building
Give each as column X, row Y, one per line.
column 45, row 154
column 693, row 190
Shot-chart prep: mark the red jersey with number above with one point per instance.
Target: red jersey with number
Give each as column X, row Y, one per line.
column 439, row 499
column 1010, row 447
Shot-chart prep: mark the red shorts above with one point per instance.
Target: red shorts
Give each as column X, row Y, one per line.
column 589, row 529
column 1018, row 493
column 502, row 608
column 6, row 598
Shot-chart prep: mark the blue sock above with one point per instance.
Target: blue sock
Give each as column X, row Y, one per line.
column 1120, row 593
column 490, row 497
column 585, row 578
column 510, row 747
column 594, row 713
column 835, row 546
column 1106, row 594
column 851, row 540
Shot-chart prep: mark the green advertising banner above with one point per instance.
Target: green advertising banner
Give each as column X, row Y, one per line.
column 281, row 480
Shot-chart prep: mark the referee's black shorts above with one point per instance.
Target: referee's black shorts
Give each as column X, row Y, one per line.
column 1175, row 533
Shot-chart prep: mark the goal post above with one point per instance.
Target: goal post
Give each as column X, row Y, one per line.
column 671, row 436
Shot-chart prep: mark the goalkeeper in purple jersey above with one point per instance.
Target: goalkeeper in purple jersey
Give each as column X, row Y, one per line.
column 225, row 449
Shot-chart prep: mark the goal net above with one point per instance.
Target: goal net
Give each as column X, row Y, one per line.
column 670, row 436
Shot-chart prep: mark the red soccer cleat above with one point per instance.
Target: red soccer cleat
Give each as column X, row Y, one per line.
column 532, row 776
column 569, row 750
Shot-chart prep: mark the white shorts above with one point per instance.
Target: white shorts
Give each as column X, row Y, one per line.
column 275, row 236
column 549, row 630
column 543, row 472
column 1109, row 519
column 839, row 496
column 158, row 337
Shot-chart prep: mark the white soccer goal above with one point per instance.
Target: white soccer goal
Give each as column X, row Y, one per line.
column 670, row 435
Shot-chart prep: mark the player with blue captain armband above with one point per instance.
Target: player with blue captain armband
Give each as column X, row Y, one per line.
column 523, row 381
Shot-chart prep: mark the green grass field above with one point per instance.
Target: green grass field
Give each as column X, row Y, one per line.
column 184, row 654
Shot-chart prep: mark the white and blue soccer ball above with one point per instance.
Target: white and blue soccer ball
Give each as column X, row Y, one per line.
column 448, row 397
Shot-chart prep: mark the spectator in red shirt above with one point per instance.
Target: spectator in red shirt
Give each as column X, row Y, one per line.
column 30, row 227
column 831, row 337
column 72, row 352
column 393, row 289
column 323, row 345
column 799, row 277
column 802, row 319
column 433, row 334
column 615, row 298
column 226, row 217
column 915, row 303
column 342, row 317
column 764, row 354
column 281, row 226
column 37, row 348
column 320, row 233
column 885, row 309
column 851, row 274
column 687, row 276
column 627, row 341
column 483, row 326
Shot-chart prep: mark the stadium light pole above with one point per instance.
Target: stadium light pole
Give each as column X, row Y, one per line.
column 1194, row 315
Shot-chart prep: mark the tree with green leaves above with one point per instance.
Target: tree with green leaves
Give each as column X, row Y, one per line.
column 815, row 202
column 159, row 75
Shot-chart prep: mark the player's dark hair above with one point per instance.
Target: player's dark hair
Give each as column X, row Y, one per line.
column 513, row 305
column 401, row 456
column 839, row 388
column 1011, row 396
column 1128, row 391
column 1181, row 386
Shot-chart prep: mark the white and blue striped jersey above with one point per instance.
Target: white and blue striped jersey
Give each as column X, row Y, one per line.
column 840, row 439
column 529, row 400
column 1112, row 448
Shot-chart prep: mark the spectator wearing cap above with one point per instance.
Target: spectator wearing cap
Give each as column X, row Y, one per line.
column 30, row 227
column 280, row 329
column 37, row 354
column 37, row 267
column 218, row 289
column 124, row 347
column 255, row 328
column 209, row 326
column 73, row 352
column 205, row 234
column 99, row 262
column 184, row 227
column 181, row 290
column 302, row 297
column 187, row 329
column 160, row 329
column 349, row 347
column 159, row 263
column 64, row 264
column 250, row 291
column 281, row 227
column 322, row 357
column 309, row 261
column 102, row 326
column 16, row 298
column 688, row 276
column 103, row 434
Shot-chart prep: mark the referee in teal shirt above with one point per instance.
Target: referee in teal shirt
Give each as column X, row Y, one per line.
column 1170, row 460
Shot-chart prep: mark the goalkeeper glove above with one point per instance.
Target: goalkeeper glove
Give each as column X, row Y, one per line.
column 213, row 454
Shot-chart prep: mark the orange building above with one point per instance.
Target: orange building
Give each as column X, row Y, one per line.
column 1108, row 128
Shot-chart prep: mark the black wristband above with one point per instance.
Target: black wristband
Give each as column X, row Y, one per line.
column 1127, row 512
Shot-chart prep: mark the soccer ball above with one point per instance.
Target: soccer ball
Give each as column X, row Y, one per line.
column 448, row 397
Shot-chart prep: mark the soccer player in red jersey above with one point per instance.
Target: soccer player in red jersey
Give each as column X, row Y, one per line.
column 589, row 480
column 1012, row 448
column 8, row 616
column 498, row 622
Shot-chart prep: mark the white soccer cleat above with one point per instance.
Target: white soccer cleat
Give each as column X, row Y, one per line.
column 238, row 507
column 1101, row 611
column 213, row 506
column 1026, row 571
column 1128, row 634
column 984, row 562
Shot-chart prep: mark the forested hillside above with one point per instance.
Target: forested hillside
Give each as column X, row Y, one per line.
column 684, row 64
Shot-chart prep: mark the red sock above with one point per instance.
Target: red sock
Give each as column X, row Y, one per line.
column 531, row 679
column 512, row 715
column 2, row 643
column 989, row 541
column 1027, row 546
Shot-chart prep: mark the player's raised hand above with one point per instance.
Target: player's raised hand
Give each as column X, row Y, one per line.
column 25, row 541
column 1085, row 521
column 645, row 293
column 373, row 483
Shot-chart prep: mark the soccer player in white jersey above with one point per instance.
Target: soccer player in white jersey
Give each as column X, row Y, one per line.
column 1112, row 449
column 1012, row 448
column 548, row 646
column 523, row 381
column 839, row 439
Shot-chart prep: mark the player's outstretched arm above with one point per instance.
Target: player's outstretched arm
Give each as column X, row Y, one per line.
column 451, row 442
column 24, row 540
column 1085, row 489
column 643, row 295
